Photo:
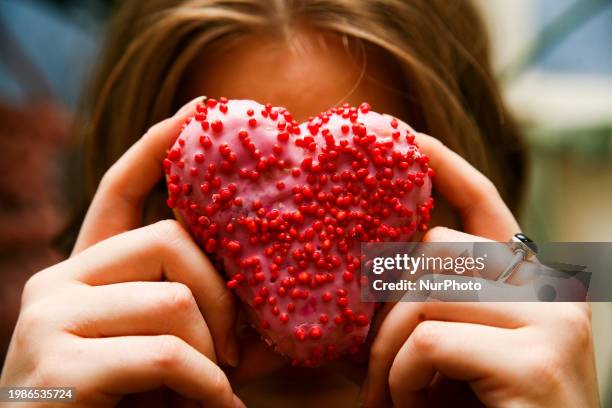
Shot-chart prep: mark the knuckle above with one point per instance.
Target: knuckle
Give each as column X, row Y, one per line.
column 425, row 337
column 166, row 234
column 178, row 297
column 32, row 287
column 167, row 353
column 579, row 320
column 38, row 285
column 220, row 385
column 575, row 316
column 168, row 228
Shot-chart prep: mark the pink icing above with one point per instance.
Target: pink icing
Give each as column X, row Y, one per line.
column 283, row 209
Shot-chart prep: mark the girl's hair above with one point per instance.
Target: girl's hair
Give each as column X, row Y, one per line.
column 440, row 46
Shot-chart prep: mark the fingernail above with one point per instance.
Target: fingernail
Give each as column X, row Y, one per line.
column 232, row 356
column 238, row 402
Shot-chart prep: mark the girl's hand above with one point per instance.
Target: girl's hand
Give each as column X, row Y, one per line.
column 133, row 309
column 497, row 354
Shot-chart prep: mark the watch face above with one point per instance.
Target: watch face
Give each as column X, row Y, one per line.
column 527, row 241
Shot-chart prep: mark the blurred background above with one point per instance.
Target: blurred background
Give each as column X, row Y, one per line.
column 553, row 57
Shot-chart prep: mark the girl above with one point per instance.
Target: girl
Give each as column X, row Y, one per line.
column 137, row 314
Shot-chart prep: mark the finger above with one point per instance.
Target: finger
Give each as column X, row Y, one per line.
column 482, row 209
column 404, row 317
column 462, row 351
column 141, row 308
column 126, row 365
column 117, row 204
column 162, row 251
column 499, row 256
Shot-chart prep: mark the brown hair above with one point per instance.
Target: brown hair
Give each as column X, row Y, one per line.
column 441, row 47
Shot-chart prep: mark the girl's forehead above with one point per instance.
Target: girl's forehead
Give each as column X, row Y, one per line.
column 307, row 73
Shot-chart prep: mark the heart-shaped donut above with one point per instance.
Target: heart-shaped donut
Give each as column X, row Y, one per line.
column 282, row 208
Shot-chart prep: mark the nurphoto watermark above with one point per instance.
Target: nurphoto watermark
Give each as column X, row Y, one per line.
column 486, row 272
